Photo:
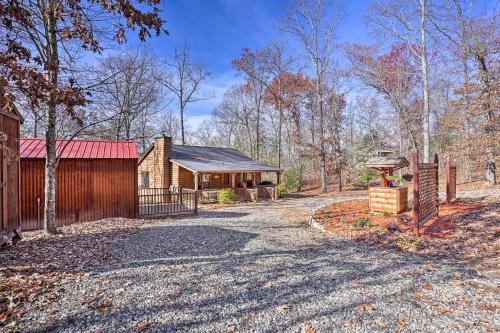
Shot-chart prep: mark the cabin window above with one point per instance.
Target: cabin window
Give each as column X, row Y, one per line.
column 145, row 179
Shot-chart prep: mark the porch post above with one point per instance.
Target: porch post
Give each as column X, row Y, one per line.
column 253, row 180
column 233, row 180
column 278, row 177
column 195, row 181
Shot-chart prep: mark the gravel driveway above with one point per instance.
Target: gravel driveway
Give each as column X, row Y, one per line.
column 256, row 268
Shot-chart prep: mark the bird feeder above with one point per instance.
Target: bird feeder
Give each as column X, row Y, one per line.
column 388, row 197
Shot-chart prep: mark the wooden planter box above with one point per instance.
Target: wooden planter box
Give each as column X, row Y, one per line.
column 388, row 199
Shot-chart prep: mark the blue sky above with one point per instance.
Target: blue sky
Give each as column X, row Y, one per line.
column 216, row 31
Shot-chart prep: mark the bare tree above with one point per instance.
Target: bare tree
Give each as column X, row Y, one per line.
column 314, row 24
column 184, row 77
column 52, row 30
column 129, row 93
column 407, row 20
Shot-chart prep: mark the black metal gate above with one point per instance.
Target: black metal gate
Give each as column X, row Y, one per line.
column 166, row 202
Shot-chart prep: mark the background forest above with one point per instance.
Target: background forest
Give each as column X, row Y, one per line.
column 314, row 106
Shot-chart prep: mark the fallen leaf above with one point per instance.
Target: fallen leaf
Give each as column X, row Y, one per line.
column 401, row 321
column 141, row 326
column 231, row 328
column 268, row 285
column 427, row 286
column 365, row 307
column 440, row 309
column 308, row 328
column 354, row 282
column 421, row 297
column 281, row 308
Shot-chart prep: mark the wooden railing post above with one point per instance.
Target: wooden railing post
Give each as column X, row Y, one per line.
column 416, row 194
column 180, row 195
column 196, row 202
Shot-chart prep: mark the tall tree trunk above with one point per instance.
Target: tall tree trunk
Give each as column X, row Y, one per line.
column 425, row 81
column 490, row 174
column 322, row 152
column 280, row 125
column 182, row 127
column 257, row 129
column 52, row 71
column 465, row 65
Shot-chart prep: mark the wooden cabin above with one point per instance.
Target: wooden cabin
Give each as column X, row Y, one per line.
column 203, row 169
column 10, row 221
column 95, row 179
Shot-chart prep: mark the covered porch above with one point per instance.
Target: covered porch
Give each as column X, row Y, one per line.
column 248, row 186
column 213, row 169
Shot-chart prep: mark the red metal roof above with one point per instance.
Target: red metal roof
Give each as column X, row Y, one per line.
column 35, row 148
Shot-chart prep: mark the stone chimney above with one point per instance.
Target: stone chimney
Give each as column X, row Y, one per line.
column 163, row 147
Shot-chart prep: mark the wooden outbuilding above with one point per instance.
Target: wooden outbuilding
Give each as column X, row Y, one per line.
column 10, row 120
column 96, row 179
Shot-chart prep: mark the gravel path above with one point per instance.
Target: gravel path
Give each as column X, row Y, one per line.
column 249, row 269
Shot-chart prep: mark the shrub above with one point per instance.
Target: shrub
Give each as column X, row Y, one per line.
column 386, row 213
column 362, row 223
column 291, row 179
column 226, row 196
column 365, row 211
column 282, row 191
column 365, row 178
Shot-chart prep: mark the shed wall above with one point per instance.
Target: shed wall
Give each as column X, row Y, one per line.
column 86, row 190
column 9, row 174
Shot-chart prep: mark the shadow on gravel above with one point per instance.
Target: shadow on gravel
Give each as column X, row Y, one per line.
column 303, row 278
column 169, row 242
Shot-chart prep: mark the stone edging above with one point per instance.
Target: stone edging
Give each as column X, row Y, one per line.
column 313, row 222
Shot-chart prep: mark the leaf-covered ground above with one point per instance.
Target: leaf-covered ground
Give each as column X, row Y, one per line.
column 468, row 230
column 33, row 273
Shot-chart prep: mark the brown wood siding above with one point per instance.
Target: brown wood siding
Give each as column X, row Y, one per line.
column 9, row 160
column 182, row 177
column 87, row 190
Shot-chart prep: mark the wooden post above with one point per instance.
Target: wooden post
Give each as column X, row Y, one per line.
column 253, row 180
column 416, row 194
column 447, row 179
column 278, row 177
column 180, row 195
column 196, row 181
column 436, row 161
column 195, row 202
column 233, row 180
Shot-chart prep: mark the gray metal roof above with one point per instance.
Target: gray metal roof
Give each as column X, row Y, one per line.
column 215, row 159
column 393, row 163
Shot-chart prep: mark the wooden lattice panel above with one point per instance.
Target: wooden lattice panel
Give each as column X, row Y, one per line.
column 425, row 191
column 428, row 194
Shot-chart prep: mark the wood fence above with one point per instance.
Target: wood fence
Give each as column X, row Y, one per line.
column 450, row 172
column 425, row 191
column 163, row 202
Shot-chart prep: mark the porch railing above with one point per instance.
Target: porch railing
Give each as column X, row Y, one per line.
column 163, row 201
column 261, row 192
